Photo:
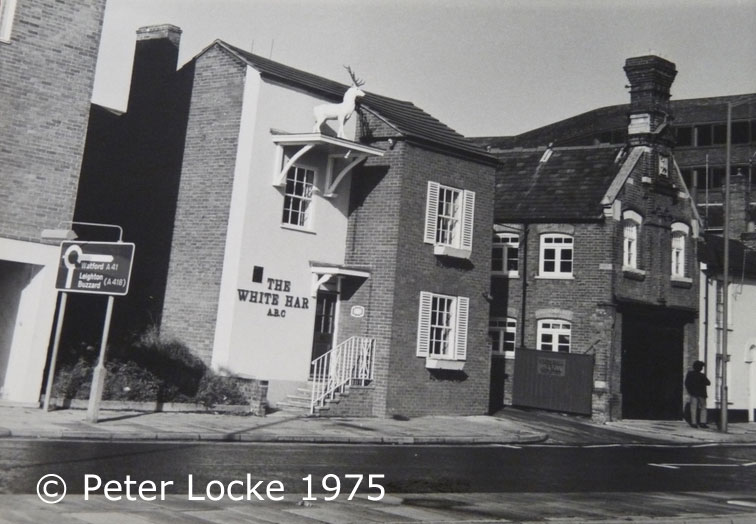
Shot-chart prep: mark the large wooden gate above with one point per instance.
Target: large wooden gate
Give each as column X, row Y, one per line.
column 554, row 381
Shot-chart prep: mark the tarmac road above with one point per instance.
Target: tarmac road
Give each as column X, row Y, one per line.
column 405, row 469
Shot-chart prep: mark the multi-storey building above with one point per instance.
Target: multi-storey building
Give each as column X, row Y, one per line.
column 365, row 250
column 48, row 52
column 700, row 132
column 594, row 286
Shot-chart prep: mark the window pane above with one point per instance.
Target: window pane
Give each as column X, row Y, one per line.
column 684, row 136
column 719, row 133
column 740, row 132
column 703, row 135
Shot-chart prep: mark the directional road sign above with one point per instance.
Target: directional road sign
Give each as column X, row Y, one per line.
column 101, row 268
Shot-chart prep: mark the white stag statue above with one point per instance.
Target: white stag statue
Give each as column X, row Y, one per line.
column 341, row 111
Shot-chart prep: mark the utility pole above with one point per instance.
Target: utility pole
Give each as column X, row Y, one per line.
column 725, row 278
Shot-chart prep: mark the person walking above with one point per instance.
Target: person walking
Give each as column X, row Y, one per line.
column 695, row 384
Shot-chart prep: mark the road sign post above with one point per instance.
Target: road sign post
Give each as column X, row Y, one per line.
column 102, row 268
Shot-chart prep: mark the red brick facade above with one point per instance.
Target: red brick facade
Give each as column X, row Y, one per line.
column 386, row 234
column 46, row 77
column 204, row 199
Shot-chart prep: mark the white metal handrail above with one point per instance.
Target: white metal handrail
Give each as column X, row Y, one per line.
column 349, row 363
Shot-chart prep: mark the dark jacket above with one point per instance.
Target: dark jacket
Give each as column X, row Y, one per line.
column 696, row 383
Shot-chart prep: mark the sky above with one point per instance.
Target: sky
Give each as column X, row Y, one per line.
column 483, row 67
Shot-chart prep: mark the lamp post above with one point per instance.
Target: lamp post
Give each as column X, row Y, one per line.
column 723, row 394
column 725, row 277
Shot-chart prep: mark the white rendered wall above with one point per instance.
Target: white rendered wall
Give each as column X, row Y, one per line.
column 263, row 339
column 29, row 330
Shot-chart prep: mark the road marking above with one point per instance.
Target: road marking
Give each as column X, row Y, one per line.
column 603, row 446
column 745, row 503
column 678, row 466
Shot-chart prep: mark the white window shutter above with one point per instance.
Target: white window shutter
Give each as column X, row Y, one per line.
column 431, row 213
column 460, row 346
column 424, row 324
column 468, row 218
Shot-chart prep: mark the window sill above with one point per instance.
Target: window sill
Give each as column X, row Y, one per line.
column 439, row 363
column 510, row 274
column 555, row 277
column 298, row 228
column 449, row 251
column 509, row 355
column 633, row 273
column 683, row 282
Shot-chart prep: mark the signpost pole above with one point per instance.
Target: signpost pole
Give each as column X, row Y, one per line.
column 54, row 356
column 98, row 378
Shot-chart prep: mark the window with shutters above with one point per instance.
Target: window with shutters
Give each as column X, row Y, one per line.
column 556, row 256
column 449, row 214
column 554, row 335
column 7, row 12
column 505, row 255
column 442, row 330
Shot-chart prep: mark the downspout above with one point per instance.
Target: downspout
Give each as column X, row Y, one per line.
column 523, row 309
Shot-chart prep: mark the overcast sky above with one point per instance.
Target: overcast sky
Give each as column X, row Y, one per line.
column 483, row 67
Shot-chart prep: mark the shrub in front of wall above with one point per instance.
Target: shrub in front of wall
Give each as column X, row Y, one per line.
column 216, row 389
column 127, row 381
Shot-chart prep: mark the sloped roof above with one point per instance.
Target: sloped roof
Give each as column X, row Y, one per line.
column 409, row 120
column 567, row 187
column 742, row 260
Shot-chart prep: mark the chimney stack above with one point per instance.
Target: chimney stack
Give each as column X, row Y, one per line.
column 650, row 79
column 155, row 60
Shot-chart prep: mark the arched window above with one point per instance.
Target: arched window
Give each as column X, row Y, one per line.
column 554, row 335
column 631, row 221
column 680, row 234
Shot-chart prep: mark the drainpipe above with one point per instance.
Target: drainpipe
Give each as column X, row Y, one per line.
column 523, row 309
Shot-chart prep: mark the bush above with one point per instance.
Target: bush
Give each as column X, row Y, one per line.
column 215, row 389
column 149, row 369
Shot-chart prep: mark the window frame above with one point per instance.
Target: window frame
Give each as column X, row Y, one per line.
column 679, row 235
column 501, row 327
column 308, row 212
column 455, row 322
column 631, row 221
column 458, row 242
column 545, row 328
column 506, row 243
column 558, row 259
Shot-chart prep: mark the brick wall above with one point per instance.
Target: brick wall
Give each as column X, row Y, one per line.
column 386, row 233
column 46, row 77
column 204, row 199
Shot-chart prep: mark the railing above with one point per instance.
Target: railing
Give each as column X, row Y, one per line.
column 348, row 364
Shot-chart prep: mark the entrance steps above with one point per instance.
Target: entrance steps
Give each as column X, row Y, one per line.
column 300, row 401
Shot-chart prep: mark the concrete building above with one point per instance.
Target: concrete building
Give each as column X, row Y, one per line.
column 700, row 133
column 366, row 251
column 48, row 52
column 595, row 275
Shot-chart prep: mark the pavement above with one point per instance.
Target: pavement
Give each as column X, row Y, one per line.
column 508, row 426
